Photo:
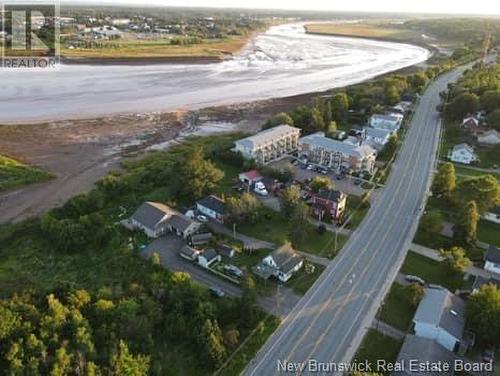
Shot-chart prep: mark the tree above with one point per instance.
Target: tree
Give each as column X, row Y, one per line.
column 245, row 208
column 325, row 109
column 445, row 180
column 483, row 311
column 340, row 106
column 465, row 231
column 490, row 100
column 299, row 223
column 456, row 259
column 307, row 118
column 463, row 104
column 431, row 223
column 278, row 119
column 127, row 364
column 213, row 342
column 484, row 190
column 62, row 363
column 198, row 176
column 289, row 199
column 493, row 119
column 249, row 296
column 391, row 95
column 390, row 148
column 321, row 182
column 415, row 293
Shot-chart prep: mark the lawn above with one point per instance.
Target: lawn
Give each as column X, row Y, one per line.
column 376, row 346
column 464, row 170
column 358, row 209
column 304, row 279
column 432, row 271
column 14, row 174
column 275, row 228
column 396, row 309
column 488, row 232
column 366, row 30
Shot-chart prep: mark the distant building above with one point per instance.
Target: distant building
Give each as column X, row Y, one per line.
column 270, row 144
column 329, row 202
column 212, row 207
column 491, row 137
column 471, row 123
column 337, row 155
column 389, row 122
column 284, row 262
column 492, row 259
column 226, row 251
column 377, row 138
column 462, row 153
column 440, row 316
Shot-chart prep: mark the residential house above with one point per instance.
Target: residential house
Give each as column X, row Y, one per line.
column 189, row 253
column 212, row 207
column 152, row 217
column 402, row 107
column 329, row 202
column 226, row 251
column 250, row 177
column 270, row 144
column 284, row 262
column 462, row 153
column 491, row 137
column 200, row 238
column 493, row 215
column 492, row 259
column 182, row 226
column 337, row 155
column 471, row 123
column 208, row 258
column 481, row 281
column 423, row 351
column 440, row 316
column 389, row 122
column 377, row 138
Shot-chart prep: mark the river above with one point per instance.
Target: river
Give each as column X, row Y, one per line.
column 281, row 62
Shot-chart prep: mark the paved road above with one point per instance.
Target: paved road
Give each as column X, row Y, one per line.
column 329, row 322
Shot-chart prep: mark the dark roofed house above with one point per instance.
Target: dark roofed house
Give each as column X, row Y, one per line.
column 481, row 281
column 182, row 226
column 440, row 317
column 212, row 207
column 201, row 238
column 492, row 259
column 208, row 258
column 226, row 251
column 152, row 217
column 189, row 253
column 329, row 202
column 285, row 262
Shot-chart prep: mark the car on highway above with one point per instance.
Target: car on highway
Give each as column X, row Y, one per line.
column 217, row 292
column 414, row 279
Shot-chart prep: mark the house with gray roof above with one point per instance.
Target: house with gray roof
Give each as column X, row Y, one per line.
column 270, row 144
column 284, row 262
column 492, row 259
column 377, row 138
column 440, row 317
column 212, row 207
column 151, row 217
column 337, row 155
column 389, row 122
column 182, row 226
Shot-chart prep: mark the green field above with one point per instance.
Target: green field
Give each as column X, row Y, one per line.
column 14, row 174
column 376, row 346
column 362, row 29
column 396, row 309
column 488, row 232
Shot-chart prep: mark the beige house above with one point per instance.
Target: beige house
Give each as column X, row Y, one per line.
column 336, row 155
column 270, row 144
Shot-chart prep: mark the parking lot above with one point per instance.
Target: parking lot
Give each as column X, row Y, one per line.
column 347, row 184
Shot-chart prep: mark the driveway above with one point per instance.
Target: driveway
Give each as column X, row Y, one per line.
column 168, row 248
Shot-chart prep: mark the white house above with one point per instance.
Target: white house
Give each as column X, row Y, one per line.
column 377, row 138
column 462, row 153
column 284, row 261
column 491, row 137
column 492, row 259
column 212, row 207
column 208, row 258
column 250, row 177
column 440, row 316
column 390, row 122
column 152, row 217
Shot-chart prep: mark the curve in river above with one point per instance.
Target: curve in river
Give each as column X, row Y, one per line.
column 284, row 61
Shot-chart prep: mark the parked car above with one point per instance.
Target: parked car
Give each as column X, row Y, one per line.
column 260, row 189
column 340, row 177
column 323, row 171
column 201, row 218
column 310, row 167
column 217, row 292
column 414, row 279
column 234, row 270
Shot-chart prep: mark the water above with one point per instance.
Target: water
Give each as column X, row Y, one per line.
column 283, row 61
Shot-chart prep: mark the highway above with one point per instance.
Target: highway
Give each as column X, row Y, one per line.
column 328, row 324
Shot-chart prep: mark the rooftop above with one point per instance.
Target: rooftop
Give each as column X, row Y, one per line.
column 180, row 222
column 493, row 254
column 252, row 175
column 319, row 140
column 442, row 309
column 463, row 146
column 267, row 135
column 286, row 258
column 212, row 202
column 151, row 213
column 330, row 195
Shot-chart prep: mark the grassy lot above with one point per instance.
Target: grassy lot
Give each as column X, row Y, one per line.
column 397, row 310
column 464, row 170
column 134, row 48
column 488, row 232
column 362, row 29
column 14, row 174
column 304, row 279
column 358, row 209
column 432, row 271
column 376, row 346
column 247, row 352
column 275, row 228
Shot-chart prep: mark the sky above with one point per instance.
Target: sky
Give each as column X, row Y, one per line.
column 486, row 7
